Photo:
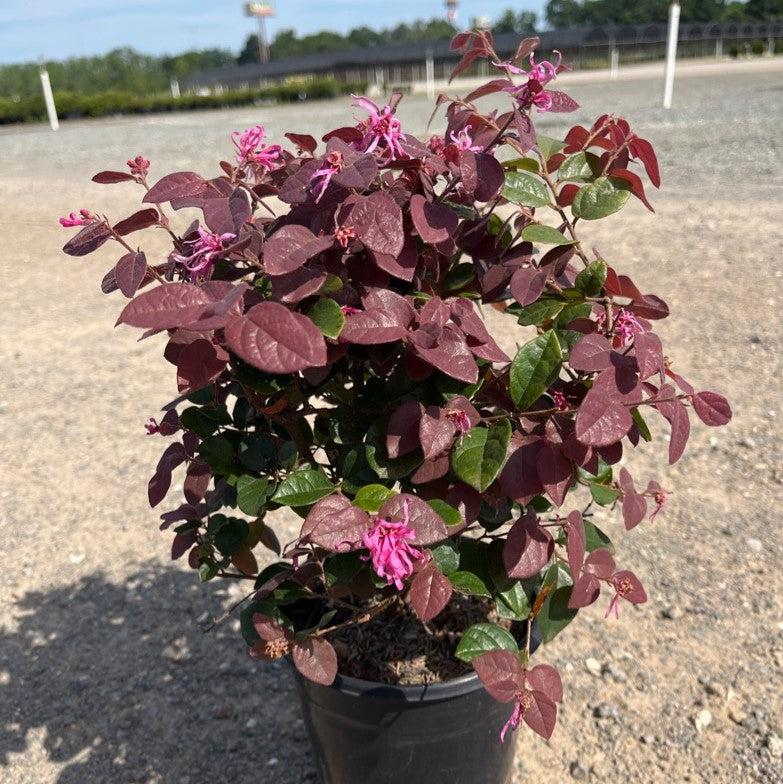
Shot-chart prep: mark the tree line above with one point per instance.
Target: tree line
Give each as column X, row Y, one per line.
column 125, row 70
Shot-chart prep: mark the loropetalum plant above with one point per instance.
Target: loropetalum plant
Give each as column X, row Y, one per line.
column 331, row 358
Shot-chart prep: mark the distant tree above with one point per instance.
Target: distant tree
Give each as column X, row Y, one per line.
column 516, row 22
column 765, row 10
column 575, row 13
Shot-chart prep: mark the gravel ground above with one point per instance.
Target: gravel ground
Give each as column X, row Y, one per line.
column 104, row 676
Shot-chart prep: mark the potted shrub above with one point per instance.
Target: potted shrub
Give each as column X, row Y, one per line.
column 332, row 358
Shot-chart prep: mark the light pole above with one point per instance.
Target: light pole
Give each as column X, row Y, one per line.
column 261, row 11
column 451, row 10
column 671, row 53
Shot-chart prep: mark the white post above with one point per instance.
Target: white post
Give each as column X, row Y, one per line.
column 51, row 110
column 614, row 65
column 175, row 88
column 719, row 49
column 671, row 53
column 770, row 46
column 429, row 67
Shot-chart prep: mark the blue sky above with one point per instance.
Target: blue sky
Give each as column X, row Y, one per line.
column 56, row 29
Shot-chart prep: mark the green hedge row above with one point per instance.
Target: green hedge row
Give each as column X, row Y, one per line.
column 75, row 105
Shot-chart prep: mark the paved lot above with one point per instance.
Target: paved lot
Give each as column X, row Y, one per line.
column 104, row 676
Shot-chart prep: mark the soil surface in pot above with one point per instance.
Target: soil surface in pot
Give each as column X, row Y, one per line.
column 396, row 647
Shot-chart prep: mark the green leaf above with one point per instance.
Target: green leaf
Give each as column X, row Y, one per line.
column 513, row 603
column 340, row 569
column 555, row 614
column 604, row 495
column 231, row 536
column 458, row 277
column 548, row 146
column 644, row 431
column 538, row 312
column 478, row 457
column 372, row 497
column 468, row 583
column 572, row 311
column 596, row 539
column 447, row 513
column 327, row 315
column 591, row 279
column 524, row 188
column 600, row 198
column 257, row 455
column 378, row 458
column 534, row 368
column 251, row 494
column 580, row 167
column 446, row 556
column 544, row 235
column 526, row 164
column 302, row 488
column 482, row 638
column 218, row 453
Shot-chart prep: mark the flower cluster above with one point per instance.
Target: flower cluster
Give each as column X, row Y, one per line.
column 205, row 248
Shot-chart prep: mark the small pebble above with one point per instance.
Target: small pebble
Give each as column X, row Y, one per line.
column 672, row 613
column 272, row 762
column 775, row 745
column 702, row 720
column 579, row 770
column 754, row 545
column 593, row 666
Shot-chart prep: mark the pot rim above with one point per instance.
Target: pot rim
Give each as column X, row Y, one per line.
column 424, row 692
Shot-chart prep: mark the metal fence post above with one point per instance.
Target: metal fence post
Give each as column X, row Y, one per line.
column 671, row 53
column 429, row 67
column 51, row 110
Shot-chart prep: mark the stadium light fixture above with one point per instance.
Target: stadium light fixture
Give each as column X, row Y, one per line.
column 261, row 11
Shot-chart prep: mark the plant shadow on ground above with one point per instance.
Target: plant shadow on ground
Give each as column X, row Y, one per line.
column 127, row 689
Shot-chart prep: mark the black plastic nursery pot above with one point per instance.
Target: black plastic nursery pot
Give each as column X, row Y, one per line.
column 372, row 733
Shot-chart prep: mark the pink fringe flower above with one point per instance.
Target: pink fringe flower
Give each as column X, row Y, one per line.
column 381, row 130
column 626, row 586
column 626, row 326
column 437, row 144
column 561, row 404
column 205, row 249
column 532, row 92
column 84, row 218
column 464, row 142
column 524, row 701
column 460, row 420
column 152, row 427
column 252, row 150
column 333, row 163
column 392, row 557
column 349, row 311
column 344, row 235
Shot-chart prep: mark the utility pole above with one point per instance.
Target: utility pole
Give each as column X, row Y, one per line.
column 260, row 11
column 51, row 109
column 671, row 53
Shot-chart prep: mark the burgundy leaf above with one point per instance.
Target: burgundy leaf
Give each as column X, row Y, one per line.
column 431, row 470
column 402, row 432
column 390, row 303
column 591, row 353
column 649, row 353
column 129, row 272
column 199, row 363
column 90, row 238
column 423, row 519
column 634, row 508
column 166, row 307
column 182, row 543
column 466, row 500
column 636, row 185
column 482, row 175
column 404, row 265
column 450, row 355
column 636, row 594
column 316, row 659
column 501, row 674
column 575, row 542
column 600, row 420
column 526, row 133
column 161, row 480
column 561, row 102
column 429, row 593
column 586, row 590
column 296, row 188
column 528, row 548
column 643, row 150
column 434, row 222
column 372, row 326
column 541, row 713
column 299, row 284
column 519, row 477
column 111, row 177
column 546, row 679
column 436, row 432
column 555, row 472
column 334, row 523
column 357, row 174
column 527, row 285
column 240, row 209
column 600, row 564
column 142, row 219
column 681, row 429
column 175, row 186
column 303, row 141
column 290, row 247
column 197, row 480
column 272, row 338
column 493, row 86
column 377, row 221
column 713, row 409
